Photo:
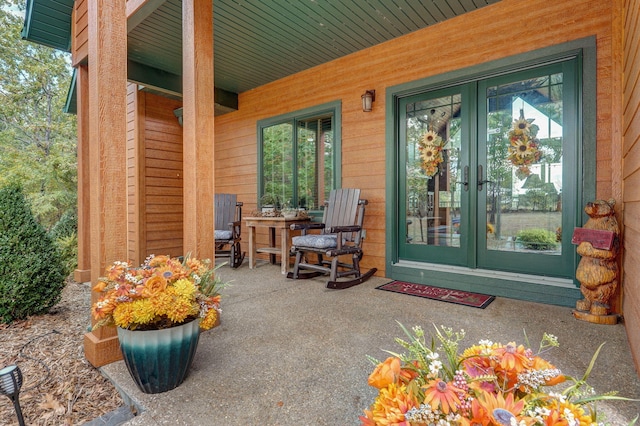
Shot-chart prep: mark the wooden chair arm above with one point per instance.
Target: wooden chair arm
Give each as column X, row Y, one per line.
column 298, row 226
column 348, row 228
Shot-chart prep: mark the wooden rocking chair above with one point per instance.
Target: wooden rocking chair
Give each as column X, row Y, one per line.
column 228, row 217
column 341, row 235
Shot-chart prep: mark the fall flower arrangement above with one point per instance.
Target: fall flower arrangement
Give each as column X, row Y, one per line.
column 161, row 293
column 430, row 147
column 523, row 146
column 488, row 384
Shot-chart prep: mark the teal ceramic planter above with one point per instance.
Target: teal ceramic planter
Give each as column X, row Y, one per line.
column 159, row 360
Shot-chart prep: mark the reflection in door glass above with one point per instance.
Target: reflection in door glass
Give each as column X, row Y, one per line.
column 524, row 165
column 433, row 171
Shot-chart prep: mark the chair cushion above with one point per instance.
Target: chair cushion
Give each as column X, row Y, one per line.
column 315, row 241
column 219, row 234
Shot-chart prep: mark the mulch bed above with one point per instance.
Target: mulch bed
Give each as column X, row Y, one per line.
column 60, row 386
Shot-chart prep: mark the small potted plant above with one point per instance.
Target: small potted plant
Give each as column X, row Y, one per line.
column 166, row 300
column 268, row 202
column 288, row 212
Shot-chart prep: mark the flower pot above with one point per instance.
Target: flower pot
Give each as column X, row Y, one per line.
column 159, row 360
column 290, row 214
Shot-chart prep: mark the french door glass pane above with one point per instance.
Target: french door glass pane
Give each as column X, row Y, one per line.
column 524, row 165
column 433, row 182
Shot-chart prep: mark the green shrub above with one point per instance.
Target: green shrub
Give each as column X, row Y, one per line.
column 66, row 226
column 64, row 234
column 32, row 275
column 537, row 239
column 68, row 249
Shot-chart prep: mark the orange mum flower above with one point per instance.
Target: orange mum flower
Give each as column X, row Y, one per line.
column 391, row 405
column 209, row 320
column 442, row 395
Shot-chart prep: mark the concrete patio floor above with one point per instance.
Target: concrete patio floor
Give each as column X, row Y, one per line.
column 294, row 353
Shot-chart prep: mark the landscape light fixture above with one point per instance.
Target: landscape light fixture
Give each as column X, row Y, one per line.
column 367, row 100
column 10, row 384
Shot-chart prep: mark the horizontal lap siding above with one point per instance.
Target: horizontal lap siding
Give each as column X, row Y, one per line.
column 631, row 175
column 155, row 198
column 134, row 230
column 490, row 33
column 163, row 218
column 79, row 27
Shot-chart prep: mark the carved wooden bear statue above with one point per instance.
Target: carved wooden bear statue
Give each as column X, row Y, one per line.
column 598, row 268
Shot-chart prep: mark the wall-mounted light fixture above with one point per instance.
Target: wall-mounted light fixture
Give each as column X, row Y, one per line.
column 367, row 100
column 10, row 384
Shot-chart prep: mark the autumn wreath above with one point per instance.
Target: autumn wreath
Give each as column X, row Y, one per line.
column 523, row 146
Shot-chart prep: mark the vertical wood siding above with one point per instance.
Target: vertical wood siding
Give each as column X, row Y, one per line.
column 631, row 175
column 155, row 196
column 491, row 33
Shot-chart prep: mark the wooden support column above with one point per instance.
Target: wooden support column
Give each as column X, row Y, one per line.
column 83, row 272
column 107, row 132
column 198, row 130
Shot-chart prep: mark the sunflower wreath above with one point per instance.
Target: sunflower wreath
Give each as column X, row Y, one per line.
column 430, row 147
column 523, row 146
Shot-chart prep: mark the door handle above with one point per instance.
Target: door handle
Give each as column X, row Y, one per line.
column 465, row 178
column 481, row 180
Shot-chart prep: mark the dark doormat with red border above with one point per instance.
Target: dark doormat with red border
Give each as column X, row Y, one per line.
column 460, row 297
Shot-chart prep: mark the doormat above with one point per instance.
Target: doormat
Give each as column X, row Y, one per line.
column 460, row 297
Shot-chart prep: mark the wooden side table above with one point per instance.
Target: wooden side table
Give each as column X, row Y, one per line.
column 273, row 223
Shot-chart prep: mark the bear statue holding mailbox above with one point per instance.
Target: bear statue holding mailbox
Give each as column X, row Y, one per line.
column 598, row 244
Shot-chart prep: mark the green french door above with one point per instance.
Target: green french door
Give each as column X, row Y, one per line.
column 489, row 172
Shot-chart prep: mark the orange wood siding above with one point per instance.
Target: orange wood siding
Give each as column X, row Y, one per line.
column 631, row 175
column 163, row 179
column 155, row 196
column 490, row 33
column 133, row 231
column 80, row 32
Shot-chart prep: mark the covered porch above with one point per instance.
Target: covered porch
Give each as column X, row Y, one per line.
column 231, row 71
column 294, row 353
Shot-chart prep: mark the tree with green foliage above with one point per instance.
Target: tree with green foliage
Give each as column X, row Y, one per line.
column 32, row 274
column 37, row 138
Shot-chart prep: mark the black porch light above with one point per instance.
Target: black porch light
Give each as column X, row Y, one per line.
column 10, row 384
column 367, row 100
